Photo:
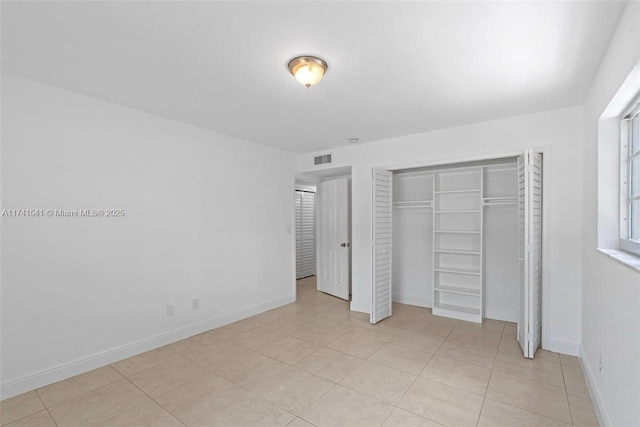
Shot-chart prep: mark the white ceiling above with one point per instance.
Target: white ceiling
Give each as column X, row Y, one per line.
column 395, row 68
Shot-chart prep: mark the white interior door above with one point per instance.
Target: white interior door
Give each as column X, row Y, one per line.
column 381, row 242
column 334, row 244
column 529, row 251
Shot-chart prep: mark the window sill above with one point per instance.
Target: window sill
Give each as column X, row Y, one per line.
column 630, row 260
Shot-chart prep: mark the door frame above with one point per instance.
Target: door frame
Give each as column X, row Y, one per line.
column 546, row 184
column 311, row 178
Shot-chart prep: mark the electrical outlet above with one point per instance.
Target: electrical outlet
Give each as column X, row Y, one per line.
column 601, row 364
column 169, row 311
column 195, row 304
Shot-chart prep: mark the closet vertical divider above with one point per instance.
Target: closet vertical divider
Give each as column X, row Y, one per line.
column 457, row 243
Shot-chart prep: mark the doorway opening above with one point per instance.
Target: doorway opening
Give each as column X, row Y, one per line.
column 323, row 231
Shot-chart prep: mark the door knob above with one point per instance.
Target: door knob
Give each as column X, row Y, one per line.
column 348, row 244
column 344, row 245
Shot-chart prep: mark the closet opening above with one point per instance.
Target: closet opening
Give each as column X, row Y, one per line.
column 462, row 239
column 323, row 231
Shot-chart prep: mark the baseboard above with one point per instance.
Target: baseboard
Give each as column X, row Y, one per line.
column 563, row 347
column 362, row 308
column 67, row 370
column 594, row 392
column 507, row 316
column 411, row 300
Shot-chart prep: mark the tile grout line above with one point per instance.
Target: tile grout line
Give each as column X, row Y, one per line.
column 531, row 410
column 45, row 407
column 566, row 392
column 415, row 380
column 484, row 398
column 137, row 406
column 314, row 402
column 146, row 369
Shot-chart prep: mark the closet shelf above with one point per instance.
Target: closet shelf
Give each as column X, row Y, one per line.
column 499, row 201
column 489, row 205
column 412, row 207
column 457, row 308
column 458, row 271
column 459, row 211
column 452, row 251
column 473, row 190
column 413, row 204
column 458, row 290
column 457, row 231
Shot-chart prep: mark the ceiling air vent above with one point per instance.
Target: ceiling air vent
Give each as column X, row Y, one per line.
column 321, row 160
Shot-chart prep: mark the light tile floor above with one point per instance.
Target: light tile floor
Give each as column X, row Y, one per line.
column 314, row 362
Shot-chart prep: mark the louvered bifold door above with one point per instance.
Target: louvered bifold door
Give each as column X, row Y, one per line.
column 529, row 251
column 298, row 219
column 381, row 242
column 307, row 221
column 523, row 315
column 535, row 251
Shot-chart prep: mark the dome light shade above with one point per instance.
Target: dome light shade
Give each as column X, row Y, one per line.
column 308, row 70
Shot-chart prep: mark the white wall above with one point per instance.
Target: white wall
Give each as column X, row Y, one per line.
column 206, row 217
column 611, row 293
column 559, row 132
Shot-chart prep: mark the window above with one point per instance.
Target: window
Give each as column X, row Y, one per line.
column 630, row 178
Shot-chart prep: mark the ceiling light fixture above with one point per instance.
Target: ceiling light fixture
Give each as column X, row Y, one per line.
column 308, row 70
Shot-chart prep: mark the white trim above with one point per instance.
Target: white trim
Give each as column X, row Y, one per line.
column 570, row 348
column 412, row 300
column 362, row 308
column 291, row 229
column 632, row 247
column 305, row 187
column 319, row 267
column 504, row 315
column 625, row 258
column 594, row 392
column 45, row 377
column 626, row 177
column 452, row 160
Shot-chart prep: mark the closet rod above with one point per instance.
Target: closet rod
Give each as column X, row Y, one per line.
column 305, row 191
